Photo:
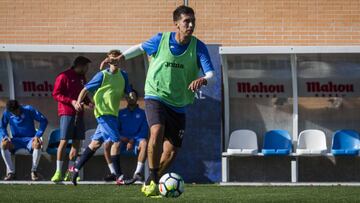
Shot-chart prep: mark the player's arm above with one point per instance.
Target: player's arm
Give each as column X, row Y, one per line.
column 206, row 67
column 128, row 89
column 133, row 52
column 198, row 83
column 82, row 95
column 121, row 133
column 130, row 53
column 87, row 100
column 149, row 47
column 130, row 145
column 143, row 132
column 59, row 89
column 123, row 139
column 104, row 63
column 92, row 86
column 38, row 116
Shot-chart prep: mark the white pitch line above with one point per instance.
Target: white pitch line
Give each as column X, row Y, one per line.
column 19, row 182
column 291, row 184
column 254, row 184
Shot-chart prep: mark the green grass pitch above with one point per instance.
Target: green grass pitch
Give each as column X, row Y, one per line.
column 193, row 193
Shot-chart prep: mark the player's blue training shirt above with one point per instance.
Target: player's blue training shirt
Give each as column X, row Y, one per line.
column 23, row 125
column 96, row 81
column 203, row 58
column 133, row 124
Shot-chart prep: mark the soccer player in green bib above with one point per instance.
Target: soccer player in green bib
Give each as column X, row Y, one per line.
column 109, row 87
column 172, row 79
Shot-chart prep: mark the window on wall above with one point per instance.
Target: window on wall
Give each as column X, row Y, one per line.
column 35, row 73
column 260, row 91
column 329, row 92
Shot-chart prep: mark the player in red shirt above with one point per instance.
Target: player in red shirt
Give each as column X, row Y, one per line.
column 68, row 85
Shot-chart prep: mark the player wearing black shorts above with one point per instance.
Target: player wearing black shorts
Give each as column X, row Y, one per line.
column 172, row 79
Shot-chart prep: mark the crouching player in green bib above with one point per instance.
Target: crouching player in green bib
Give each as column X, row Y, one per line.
column 109, row 87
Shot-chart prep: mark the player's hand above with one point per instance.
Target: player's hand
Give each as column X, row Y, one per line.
column 196, row 84
column 120, row 59
column 77, row 105
column 6, row 139
column 106, row 60
column 124, row 139
column 37, row 139
column 129, row 146
column 104, row 63
column 5, row 142
column 91, row 105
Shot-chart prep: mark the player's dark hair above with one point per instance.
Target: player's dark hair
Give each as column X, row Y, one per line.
column 80, row 61
column 12, row 105
column 136, row 93
column 182, row 10
column 115, row 52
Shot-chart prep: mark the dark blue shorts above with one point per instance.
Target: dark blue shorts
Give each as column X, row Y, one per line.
column 72, row 127
column 158, row 113
column 22, row 143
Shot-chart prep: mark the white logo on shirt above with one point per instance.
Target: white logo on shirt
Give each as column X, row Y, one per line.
column 137, row 115
column 181, row 133
column 22, row 116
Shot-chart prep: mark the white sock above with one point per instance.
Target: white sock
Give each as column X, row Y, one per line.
column 139, row 167
column 36, row 158
column 112, row 169
column 59, row 165
column 8, row 162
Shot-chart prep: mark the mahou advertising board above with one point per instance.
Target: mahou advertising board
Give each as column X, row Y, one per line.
column 332, row 87
column 314, row 87
column 260, row 88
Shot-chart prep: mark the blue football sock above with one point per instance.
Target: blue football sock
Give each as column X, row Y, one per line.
column 88, row 153
column 153, row 176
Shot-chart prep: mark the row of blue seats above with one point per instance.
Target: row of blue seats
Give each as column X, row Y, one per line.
column 311, row 142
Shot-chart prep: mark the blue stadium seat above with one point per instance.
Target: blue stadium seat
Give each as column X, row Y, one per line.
column 277, row 142
column 345, row 143
column 54, row 141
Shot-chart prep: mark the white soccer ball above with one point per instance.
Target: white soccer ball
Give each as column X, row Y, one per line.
column 171, row 185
